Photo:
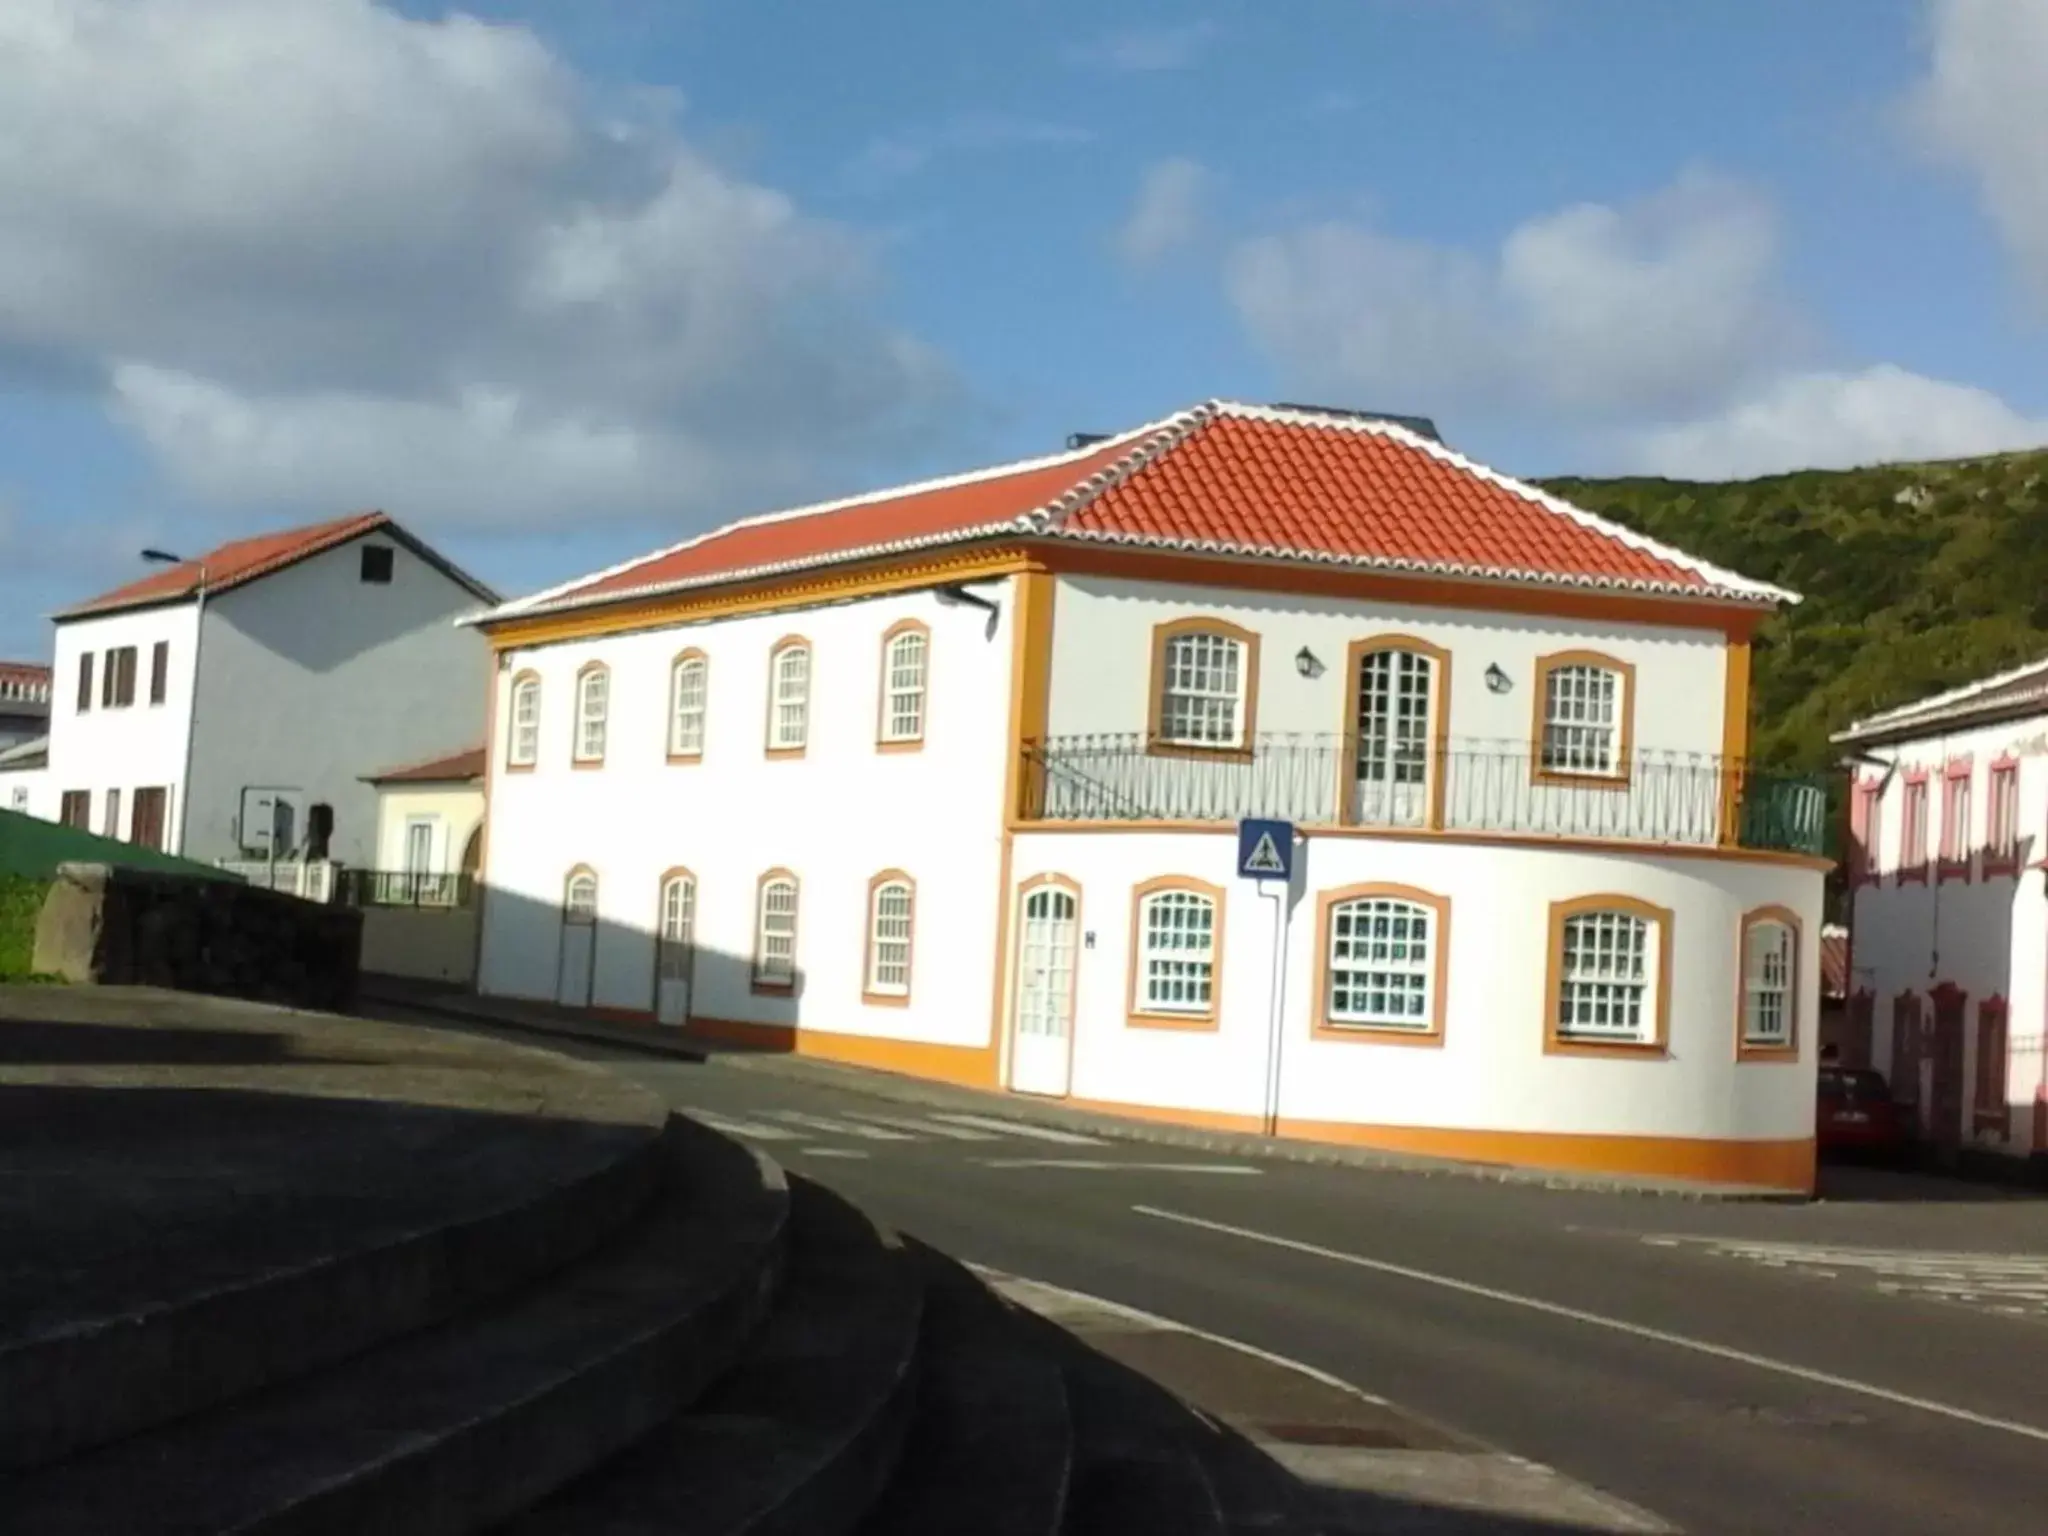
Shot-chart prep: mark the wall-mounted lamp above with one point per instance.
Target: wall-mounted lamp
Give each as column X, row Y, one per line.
column 1306, row 664
column 1498, row 681
column 958, row 596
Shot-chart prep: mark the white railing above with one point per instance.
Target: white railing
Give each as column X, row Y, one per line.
column 311, row 879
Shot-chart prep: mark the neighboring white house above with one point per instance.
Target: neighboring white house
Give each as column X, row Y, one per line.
column 1949, row 927
column 947, row 779
column 430, row 826
column 24, row 702
column 251, row 688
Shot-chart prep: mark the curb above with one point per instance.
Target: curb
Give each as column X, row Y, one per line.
column 907, row 1090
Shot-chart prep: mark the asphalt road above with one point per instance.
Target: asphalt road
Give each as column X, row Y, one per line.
column 1876, row 1364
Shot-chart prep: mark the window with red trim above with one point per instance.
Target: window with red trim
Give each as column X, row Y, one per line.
column 1866, row 831
column 2002, row 824
column 1913, row 831
column 1956, row 785
column 1991, row 1061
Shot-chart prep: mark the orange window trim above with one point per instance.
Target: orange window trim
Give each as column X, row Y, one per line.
column 519, row 679
column 1625, row 742
column 1136, row 1014
column 1735, row 693
column 789, row 642
column 755, row 983
column 1658, row 1046
column 1439, row 720
column 1745, row 1050
column 675, row 667
column 868, row 994
column 1163, row 636
column 576, row 757
column 1322, row 1027
column 1032, row 594
column 883, row 741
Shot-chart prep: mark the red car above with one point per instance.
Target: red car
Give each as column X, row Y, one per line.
column 1857, row 1113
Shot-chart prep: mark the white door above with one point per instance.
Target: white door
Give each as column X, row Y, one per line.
column 674, row 951
column 1042, row 1041
column 1394, row 739
column 579, row 942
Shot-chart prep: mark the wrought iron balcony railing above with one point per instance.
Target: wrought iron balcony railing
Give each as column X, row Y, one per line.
column 404, row 888
column 1455, row 785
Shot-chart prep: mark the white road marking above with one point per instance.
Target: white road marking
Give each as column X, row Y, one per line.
column 839, row 1127
column 1614, row 1324
column 1969, row 1278
column 831, row 1152
column 746, row 1128
column 1099, row 1164
column 1017, row 1128
column 929, row 1128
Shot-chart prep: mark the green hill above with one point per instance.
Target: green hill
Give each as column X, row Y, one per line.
column 1917, row 577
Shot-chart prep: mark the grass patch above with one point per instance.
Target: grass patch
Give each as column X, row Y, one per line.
column 21, row 899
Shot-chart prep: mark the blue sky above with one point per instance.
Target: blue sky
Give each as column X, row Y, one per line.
column 557, row 282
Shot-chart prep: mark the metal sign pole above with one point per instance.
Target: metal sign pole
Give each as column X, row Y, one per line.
column 1275, row 1034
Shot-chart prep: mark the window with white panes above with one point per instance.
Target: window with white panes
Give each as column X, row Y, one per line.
column 678, row 926
column 1583, row 704
column 579, row 899
column 2002, row 833
column 1202, row 690
column 775, row 933
column 905, row 656
column 593, row 708
column 789, row 696
column 1913, row 828
column 891, row 912
column 1606, row 977
column 522, row 743
column 1177, row 952
column 1382, row 964
column 1770, row 949
column 688, row 690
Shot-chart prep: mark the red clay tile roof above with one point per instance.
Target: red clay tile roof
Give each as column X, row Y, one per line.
column 1221, row 479
column 230, row 565
column 457, row 768
column 1834, row 962
column 25, row 672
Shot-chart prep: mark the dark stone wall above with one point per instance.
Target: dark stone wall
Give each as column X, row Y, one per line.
column 112, row 925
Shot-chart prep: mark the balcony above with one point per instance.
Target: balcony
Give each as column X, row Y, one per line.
column 1459, row 785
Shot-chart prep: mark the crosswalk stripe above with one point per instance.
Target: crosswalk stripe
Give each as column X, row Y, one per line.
column 744, row 1128
column 840, row 1127
column 931, row 1128
column 1017, row 1128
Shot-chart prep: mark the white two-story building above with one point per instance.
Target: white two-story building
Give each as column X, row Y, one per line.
column 947, row 779
column 1948, row 985
column 240, row 696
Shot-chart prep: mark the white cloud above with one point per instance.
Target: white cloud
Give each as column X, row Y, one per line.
column 1662, row 305
column 1878, row 415
column 890, row 158
column 1981, row 107
column 1167, row 213
column 321, row 253
column 1148, row 50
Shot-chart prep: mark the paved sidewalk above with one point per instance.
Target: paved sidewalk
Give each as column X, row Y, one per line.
column 569, row 1023
column 1363, row 1455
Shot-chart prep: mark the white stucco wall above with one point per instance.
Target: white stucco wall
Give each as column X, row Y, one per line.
column 836, row 816
column 140, row 746
column 1987, row 935
column 1491, row 1073
column 311, row 678
column 454, row 809
column 1102, row 655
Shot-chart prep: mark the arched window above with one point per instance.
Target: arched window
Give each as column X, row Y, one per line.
column 1770, row 973
column 579, row 898
column 678, row 921
column 593, row 710
column 1204, row 685
column 906, row 651
column 1583, row 729
column 1384, row 955
column 789, row 697
column 688, row 690
column 1609, row 973
column 775, row 932
column 1176, row 950
column 892, row 909
column 522, row 727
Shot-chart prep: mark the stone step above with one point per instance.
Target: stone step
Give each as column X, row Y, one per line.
column 452, row 1430
column 990, row 1448
column 802, row 1436
column 1137, row 1462
column 208, row 1198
